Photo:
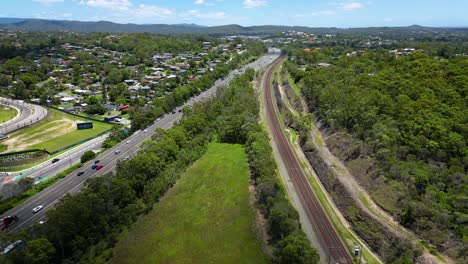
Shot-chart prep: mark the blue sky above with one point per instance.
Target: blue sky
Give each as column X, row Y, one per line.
column 313, row 13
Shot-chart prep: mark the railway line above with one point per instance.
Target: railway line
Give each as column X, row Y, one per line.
column 337, row 251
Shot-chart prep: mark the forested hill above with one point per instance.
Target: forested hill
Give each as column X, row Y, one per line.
column 407, row 120
column 106, row 26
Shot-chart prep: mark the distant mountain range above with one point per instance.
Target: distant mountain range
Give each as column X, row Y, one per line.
column 106, row 26
column 8, row 20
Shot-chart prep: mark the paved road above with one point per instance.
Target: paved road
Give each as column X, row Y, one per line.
column 329, row 239
column 47, row 169
column 73, row 183
column 29, row 114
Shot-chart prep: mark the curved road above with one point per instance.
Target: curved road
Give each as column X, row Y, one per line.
column 73, row 183
column 29, row 114
column 329, row 239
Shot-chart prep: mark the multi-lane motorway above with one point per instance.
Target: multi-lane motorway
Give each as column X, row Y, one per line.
column 48, row 169
column 73, row 183
column 28, row 115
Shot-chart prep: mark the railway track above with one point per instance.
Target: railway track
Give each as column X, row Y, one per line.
column 337, row 251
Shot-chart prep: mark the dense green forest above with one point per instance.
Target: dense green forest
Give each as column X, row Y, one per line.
column 408, row 118
column 83, row 226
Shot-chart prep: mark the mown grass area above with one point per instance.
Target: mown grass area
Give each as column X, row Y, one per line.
column 57, row 130
column 205, row 218
column 3, row 148
column 7, row 113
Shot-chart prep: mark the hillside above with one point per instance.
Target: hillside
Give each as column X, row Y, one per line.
column 106, row 26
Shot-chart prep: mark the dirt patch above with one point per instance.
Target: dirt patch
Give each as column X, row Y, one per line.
column 19, row 141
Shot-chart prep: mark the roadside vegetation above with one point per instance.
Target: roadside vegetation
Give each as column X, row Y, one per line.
column 206, row 217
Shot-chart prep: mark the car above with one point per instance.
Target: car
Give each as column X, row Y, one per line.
column 128, row 142
column 180, row 110
column 80, row 173
column 96, row 161
column 126, row 158
column 99, row 167
column 37, row 208
column 55, row 160
column 94, row 166
column 42, row 221
column 117, row 152
column 146, row 130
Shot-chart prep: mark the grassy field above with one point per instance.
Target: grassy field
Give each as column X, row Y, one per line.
column 7, row 113
column 57, row 130
column 205, row 218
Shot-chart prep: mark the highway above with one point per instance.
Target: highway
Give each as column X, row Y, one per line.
column 329, row 239
column 28, row 115
column 47, row 169
column 73, row 183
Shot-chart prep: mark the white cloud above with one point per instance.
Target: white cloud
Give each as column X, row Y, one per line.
column 149, row 11
column 123, row 10
column 351, row 5
column 110, row 4
column 318, row 13
column 203, row 2
column 254, row 3
column 195, row 14
column 48, row 2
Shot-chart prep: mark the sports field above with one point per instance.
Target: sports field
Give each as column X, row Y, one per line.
column 7, row 113
column 56, row 131
column 205, row 218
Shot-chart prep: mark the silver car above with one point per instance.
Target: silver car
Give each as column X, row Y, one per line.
column 37, row 208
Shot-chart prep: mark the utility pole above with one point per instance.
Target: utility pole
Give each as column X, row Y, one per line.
column 360, row 254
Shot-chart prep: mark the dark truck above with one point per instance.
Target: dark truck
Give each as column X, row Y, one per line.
column 8, row 221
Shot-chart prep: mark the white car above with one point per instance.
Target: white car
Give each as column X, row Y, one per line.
column 128, row 141
column 146, row 130
column 37, row 208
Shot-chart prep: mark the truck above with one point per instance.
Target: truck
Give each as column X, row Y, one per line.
column 7, row 221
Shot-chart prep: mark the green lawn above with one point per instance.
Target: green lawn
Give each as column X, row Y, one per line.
column 7, row 113
column 205, row 218
column 57, row 130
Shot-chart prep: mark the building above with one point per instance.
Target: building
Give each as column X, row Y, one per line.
column 111, row 118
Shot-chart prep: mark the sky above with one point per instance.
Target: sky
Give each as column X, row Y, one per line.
column 312, row 13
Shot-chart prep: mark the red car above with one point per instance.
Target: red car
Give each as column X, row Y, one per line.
column 99, row 167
